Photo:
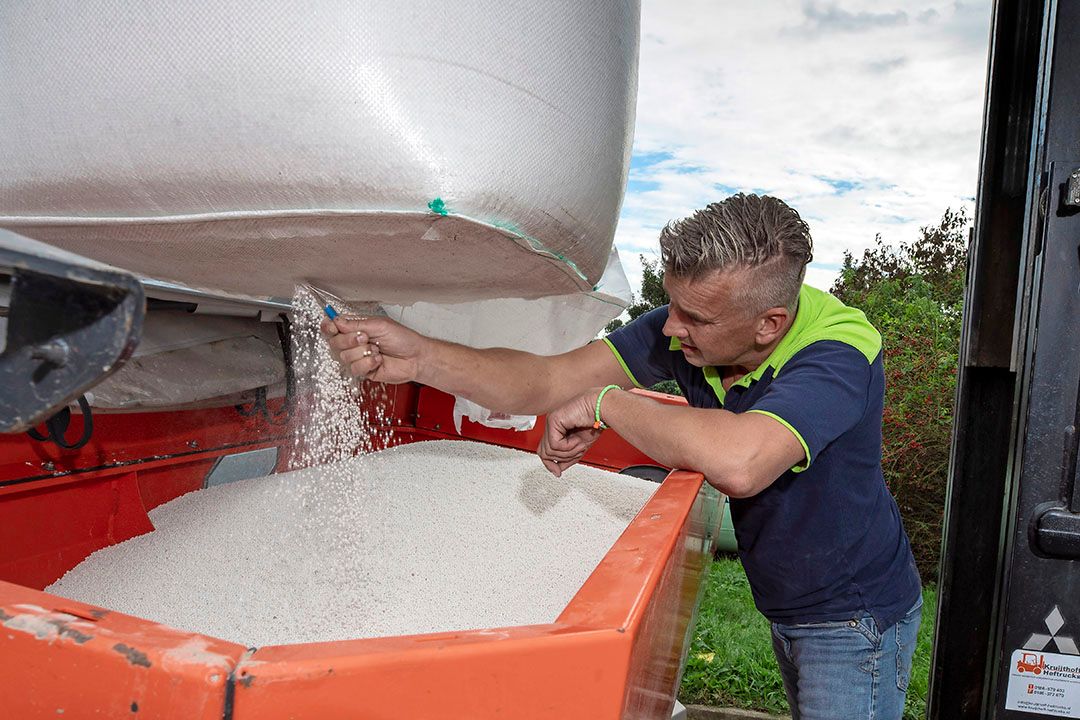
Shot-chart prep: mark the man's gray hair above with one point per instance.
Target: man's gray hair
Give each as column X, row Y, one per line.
column 761, row 234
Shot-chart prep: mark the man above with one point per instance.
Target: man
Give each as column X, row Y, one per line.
column 785, row 386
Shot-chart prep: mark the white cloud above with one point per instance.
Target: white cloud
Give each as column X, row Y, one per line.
column 865, row 116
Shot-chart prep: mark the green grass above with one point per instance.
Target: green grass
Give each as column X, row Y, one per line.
column 731, row 661
column 920, row 665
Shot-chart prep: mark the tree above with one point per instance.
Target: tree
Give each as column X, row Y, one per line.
column 938, row 255
column 913, row 294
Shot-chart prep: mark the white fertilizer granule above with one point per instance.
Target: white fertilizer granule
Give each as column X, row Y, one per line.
column 462, row 536
column 332, row 425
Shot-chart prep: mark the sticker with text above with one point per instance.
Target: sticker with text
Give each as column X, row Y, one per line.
column 1044, row 683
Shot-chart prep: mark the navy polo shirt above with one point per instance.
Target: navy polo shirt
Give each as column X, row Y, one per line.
column 824, row 542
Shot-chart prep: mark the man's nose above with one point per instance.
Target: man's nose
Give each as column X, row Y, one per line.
column 672, row 328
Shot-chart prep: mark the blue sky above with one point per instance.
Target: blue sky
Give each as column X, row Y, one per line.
column 865, row 116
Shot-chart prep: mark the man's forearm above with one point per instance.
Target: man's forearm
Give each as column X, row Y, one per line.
column 509, row 381
column 670, row 434
column 702, row 440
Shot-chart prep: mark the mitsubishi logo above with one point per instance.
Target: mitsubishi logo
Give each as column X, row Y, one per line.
column 1054, row 622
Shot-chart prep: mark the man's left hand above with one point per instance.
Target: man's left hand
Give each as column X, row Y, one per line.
column 569, row 433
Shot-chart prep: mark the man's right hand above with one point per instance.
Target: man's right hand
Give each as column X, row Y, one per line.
column 375, row 348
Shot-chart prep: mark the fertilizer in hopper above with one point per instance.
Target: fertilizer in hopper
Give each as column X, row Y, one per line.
column 425, row 537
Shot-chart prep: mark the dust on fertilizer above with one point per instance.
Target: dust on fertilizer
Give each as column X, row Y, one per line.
column 427, row 537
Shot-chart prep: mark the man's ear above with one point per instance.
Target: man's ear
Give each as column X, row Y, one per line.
column 771, row 324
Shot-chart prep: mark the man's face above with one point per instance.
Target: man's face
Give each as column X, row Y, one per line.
column 704, row 316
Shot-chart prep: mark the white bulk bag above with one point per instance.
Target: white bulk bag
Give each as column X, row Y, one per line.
column 386, row 150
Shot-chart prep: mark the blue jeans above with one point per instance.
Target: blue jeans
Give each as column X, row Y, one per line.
column 847, row 670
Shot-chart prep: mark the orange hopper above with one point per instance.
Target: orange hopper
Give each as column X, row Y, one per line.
column 614, row 652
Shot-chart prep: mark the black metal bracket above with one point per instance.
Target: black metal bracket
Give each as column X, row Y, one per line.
column 71, row 323
column 1070, row 193
column 1057, row 533
column 1055, row 526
